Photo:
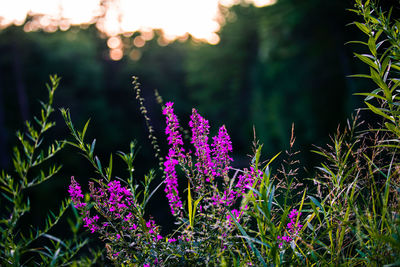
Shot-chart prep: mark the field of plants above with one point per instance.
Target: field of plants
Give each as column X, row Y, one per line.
column 344, row 212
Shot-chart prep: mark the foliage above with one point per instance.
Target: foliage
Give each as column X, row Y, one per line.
column 348, row 213
column 18, row 243
column 352, row 216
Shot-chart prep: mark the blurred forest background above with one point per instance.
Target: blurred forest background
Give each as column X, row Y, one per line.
column 273, row 66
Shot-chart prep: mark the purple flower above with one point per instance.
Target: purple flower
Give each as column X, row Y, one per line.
column 91, row 222
column 222, row 145
column 171, row 184
column 157, row 238
column 115, row 198
column 236, row 215
column 292, row 228
column 152, row 228
column 174, row 154
column 173, row 136
column 200, row 130
column 114, row 202
column 247, row 180
column 76, row 194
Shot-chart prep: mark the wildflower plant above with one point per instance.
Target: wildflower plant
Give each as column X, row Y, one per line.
column 213, row 194
column 114, row 210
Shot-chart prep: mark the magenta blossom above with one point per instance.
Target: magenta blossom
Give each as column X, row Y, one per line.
column 236, row 215
column 292, row 228
column 222, row 145
column 76, row 194
column 91, row 223
column 175, row 154
column 200, row 130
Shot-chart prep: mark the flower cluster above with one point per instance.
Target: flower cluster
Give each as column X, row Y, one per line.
column 245, row 181
column 222, row 145
column 91, row 223
column 200, row 130
column 207, row 170
column 210, row 162
column 174, row 154
column 76, row 194
column 174, row 137
column 115, row 199
column 292, row 228
column 118, row 221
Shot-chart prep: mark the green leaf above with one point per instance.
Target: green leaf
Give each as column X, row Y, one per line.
column 92, row 148
column 270, row 199
column 196, row 203
column 380, row 43
column 359, row 76
column 379, row 81
column 248, row 239
column 362, row 27
column 371, row 95
column 99, row 168
column 190, row 206
column 356, row 42
column 367, row 59
column 391, row 127
column 109, row 169
column 317, row 203
column 84, row 130
column 372, row 46
column 273, row 158
column 379, row 111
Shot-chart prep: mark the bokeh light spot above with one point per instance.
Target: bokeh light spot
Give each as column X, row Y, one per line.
column 139, row 41
column 135, row 54
column 214, row 39
column 116, row 54
column 162, row 41
column 114, row 42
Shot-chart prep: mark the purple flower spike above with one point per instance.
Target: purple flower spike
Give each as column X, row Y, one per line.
column 175, row 154
column 174, row 137
column 222, row 145
column 76, row 194
column 200, row 131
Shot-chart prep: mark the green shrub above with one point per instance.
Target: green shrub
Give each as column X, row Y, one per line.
column 18, row 242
